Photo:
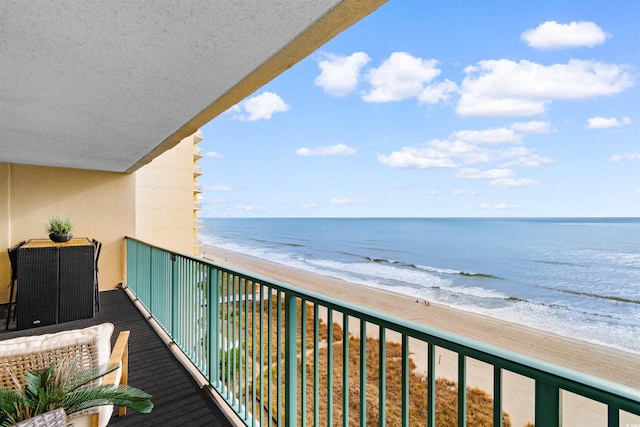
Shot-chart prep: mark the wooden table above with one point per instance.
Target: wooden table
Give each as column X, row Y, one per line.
column 55, row 282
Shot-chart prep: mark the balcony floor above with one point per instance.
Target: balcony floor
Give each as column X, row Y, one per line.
column 177, row 397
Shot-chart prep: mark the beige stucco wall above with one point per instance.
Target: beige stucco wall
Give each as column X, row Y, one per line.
column 154, row 204
column 101, row 205
column 5, row 231
column 164, row 199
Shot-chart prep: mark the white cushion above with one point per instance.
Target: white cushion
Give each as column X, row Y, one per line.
column 98, row 336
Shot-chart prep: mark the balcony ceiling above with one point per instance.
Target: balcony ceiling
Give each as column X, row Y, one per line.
column 109, row 85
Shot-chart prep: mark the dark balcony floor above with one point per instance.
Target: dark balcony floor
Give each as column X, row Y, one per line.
column 178, row 399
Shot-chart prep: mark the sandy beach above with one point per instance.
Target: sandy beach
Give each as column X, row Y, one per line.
column 600, row 361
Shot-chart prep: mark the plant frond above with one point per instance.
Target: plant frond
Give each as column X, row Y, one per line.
column 89, row 397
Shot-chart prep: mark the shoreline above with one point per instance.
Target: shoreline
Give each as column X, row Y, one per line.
column 593, row 359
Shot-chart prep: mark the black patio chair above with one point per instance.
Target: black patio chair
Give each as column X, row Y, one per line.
column 98, row 248
column 13, row 260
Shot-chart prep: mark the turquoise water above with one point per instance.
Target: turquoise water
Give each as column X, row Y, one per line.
column 576, row 277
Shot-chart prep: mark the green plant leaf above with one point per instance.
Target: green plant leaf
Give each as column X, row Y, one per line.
column 65, row 386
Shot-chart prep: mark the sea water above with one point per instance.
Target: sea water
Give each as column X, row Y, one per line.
column 577, row 277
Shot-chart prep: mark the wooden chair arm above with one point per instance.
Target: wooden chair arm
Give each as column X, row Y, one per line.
column 119, row 355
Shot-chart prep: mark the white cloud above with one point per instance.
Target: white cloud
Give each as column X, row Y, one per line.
column 532, row 127
column 513, row 183
column 339, row 74
column 504, row 88
column 262, row 106
column 214, row 155
column 626, row 156
column 400, row 77
column 218, row 187
column 235, row 109
column 398, row 185
column 331, row 150
column 309, row 206
column 470, row 147
column 346, row 201
column 489, row 174
column 441, row 91
column 604, row 123
column 552, row 35
column 502, row 178
column 488, row 136
column 418, row 157
column 498, row 206
column 457, row 192
column 429, row 192
column 522, row 156
column 252, row 208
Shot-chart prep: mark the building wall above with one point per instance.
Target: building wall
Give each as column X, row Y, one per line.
column 165, row 199
column 101, row 205
column 154, row 204
column 5, row 231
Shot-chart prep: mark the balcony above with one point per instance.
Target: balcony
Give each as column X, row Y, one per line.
column 153, row 367
column 250, row 355
column 265, row 347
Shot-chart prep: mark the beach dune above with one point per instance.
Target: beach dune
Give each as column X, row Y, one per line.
column 600, row 361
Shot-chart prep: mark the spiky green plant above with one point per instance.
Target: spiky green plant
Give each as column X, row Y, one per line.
column 65, row 386
column 59, row 225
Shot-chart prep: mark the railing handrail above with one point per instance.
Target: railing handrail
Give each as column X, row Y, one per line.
column 568, row 379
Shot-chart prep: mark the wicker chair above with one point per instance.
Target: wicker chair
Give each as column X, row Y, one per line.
column 89, row 347
column 55, row 418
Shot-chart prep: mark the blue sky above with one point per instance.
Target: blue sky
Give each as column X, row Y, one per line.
column 443, row 109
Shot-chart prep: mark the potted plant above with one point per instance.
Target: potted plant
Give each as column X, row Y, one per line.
column 59, row 228
column 64, row 386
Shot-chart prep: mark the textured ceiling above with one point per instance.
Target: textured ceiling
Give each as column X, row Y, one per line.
column 107, row 85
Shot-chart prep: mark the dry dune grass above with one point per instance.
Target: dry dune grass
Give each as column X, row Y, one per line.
column 479, row 402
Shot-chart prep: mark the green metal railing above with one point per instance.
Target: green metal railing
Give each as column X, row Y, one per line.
column 281, row 355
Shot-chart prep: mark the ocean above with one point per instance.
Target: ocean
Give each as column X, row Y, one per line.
column 577, row 277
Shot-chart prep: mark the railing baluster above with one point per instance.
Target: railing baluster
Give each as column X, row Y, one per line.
column 405, row 381
column 345, row 369
column 229, row 343
column 613, row 416
column 462, row 390
column 382, row 377
column 279, row 350
column 290, row 360
column 174, row 298
column 262, row 365
column 316, row 365
column 303, row 361
column 497, row 396
column 254, row 354
column 236, row 351
column 214, row 317
column 330, row 366
column 431, row 385
column 363, row 373
column 245, row 383
column 547, row 405
column 269, row 356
